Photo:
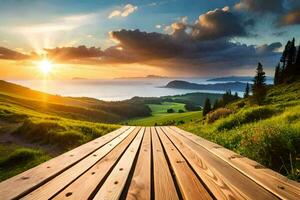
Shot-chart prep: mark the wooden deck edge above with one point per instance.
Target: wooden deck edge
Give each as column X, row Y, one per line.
column 281, row 186
column 8, row 189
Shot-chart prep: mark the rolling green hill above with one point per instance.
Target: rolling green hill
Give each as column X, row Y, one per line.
column 35, row 126
column 76, row 108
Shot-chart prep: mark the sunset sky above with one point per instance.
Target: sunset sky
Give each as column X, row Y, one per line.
column 108, row 38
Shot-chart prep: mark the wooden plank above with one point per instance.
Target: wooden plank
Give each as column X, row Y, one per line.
column 164, row 187
column 189, row 184
column 248, row 187
column 140, row 186
column 220, row 188
column 84, row 186
column 114, row 184
column 29, row 180
column 58, row 183
column 268, row 179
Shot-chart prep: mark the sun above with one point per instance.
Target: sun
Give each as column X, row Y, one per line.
column 45, row 66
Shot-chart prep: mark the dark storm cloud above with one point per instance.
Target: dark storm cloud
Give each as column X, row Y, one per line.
column 290, row 18
column 261, row 6
column 12, row 55
column 190, row 51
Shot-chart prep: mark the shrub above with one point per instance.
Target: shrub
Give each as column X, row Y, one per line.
column 18, row 156
column 168, row 123
column 50, row 133
column 170, row 110
column 20, row 160
column 191, row 107
column 217, row 114
column 246, row 116
column 274, row 146
column 180, row 111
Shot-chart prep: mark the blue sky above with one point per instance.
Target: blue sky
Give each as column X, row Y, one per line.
column 34, row 25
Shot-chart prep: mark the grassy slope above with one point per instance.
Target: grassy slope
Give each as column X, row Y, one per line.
column 30, row 136
column 161, row 117
column 269, row 134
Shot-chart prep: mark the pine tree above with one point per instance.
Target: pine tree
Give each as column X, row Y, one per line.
column 207, row 107
column 247, row 90
column 216, row 104
column 277, row 75
column 297, row 62
column 259, row 86
column 290, row 59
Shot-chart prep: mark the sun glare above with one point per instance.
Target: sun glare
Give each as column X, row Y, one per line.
column 45, row 66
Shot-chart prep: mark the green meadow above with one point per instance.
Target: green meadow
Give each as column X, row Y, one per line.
column 160, row 116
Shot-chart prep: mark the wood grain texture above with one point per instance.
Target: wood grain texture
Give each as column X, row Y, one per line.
column 273, row 182
column 221, row 188
column 164, row 188
column 23, row 183
column 162, row 163
column 58, row 183
column 115, row 182
column 140, row 186
column 83, row 187
column 189, row 184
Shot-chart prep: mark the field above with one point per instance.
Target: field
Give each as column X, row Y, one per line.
column 161, row 117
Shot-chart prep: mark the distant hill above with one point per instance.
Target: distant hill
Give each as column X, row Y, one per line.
column 178, row 84
column 236, row 78
column 144, row 77
column 80, row 108
column 79, row 78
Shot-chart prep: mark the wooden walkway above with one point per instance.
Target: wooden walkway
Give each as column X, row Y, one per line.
column 149, row 163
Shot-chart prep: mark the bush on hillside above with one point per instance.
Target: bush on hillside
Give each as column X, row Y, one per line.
column 50, row 133
column 274, row 146
column 217, row 114
column 19, row 160
column 246, row 116
column 170, row 110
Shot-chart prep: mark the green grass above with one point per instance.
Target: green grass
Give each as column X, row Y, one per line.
column 47, row 131
column 161, row 117
column 162, row 108
column 269, row 134
column 19, row 160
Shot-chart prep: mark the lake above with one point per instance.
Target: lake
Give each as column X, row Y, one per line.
column 113, row 90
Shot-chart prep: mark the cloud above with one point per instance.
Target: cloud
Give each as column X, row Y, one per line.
column 265, row 49
column 124, row 12
column 169, row 51
column 261, row 6
column 218, row 23
column 291, row 18
column 74, row 53
column 9, row 54
column 158, row 26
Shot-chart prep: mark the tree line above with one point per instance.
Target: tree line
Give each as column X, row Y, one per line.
column 289, row 66
column 287, row 70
